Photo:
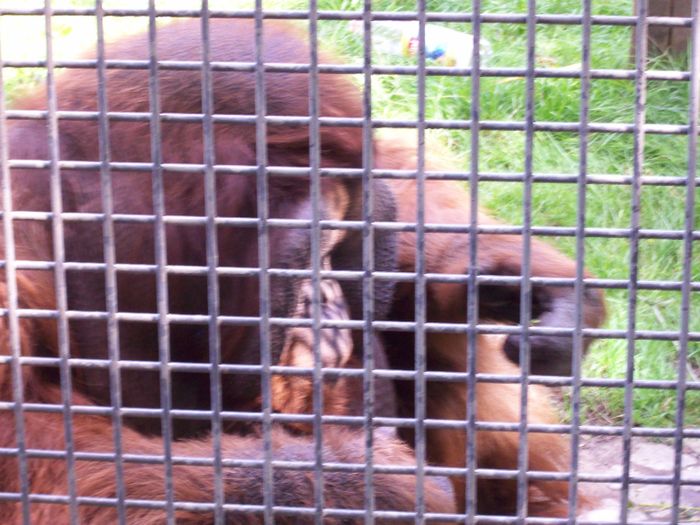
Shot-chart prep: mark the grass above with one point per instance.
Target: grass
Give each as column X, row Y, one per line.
column 608, row 205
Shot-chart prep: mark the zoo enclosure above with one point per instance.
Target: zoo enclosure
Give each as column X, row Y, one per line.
column 525, row 127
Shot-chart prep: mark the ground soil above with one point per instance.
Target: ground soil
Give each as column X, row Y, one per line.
column 651, row 460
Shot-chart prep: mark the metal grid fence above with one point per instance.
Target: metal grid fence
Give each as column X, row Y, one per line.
column 15, row 314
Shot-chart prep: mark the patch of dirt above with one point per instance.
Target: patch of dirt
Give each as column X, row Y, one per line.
column 650, row 495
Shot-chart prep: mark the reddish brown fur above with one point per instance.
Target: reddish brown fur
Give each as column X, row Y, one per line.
column 235, row 144
column 287, row 94
column 143, row 481
column 447, row 202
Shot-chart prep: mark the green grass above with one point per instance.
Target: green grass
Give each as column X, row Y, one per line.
column 608, row 205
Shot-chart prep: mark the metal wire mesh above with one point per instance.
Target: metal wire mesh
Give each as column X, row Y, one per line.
column 17, row 313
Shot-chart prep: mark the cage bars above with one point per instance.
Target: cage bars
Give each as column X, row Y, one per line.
column 577, row 337
column 693, row 124
column 212, row 263
column 316, row 196
column 368, row 334
column 111, row 300
column 472, row 283
column 13, row 360
column 420, row 284
column 315, row 173
column 640, row 59
column 263, row 214
column 160, row 250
